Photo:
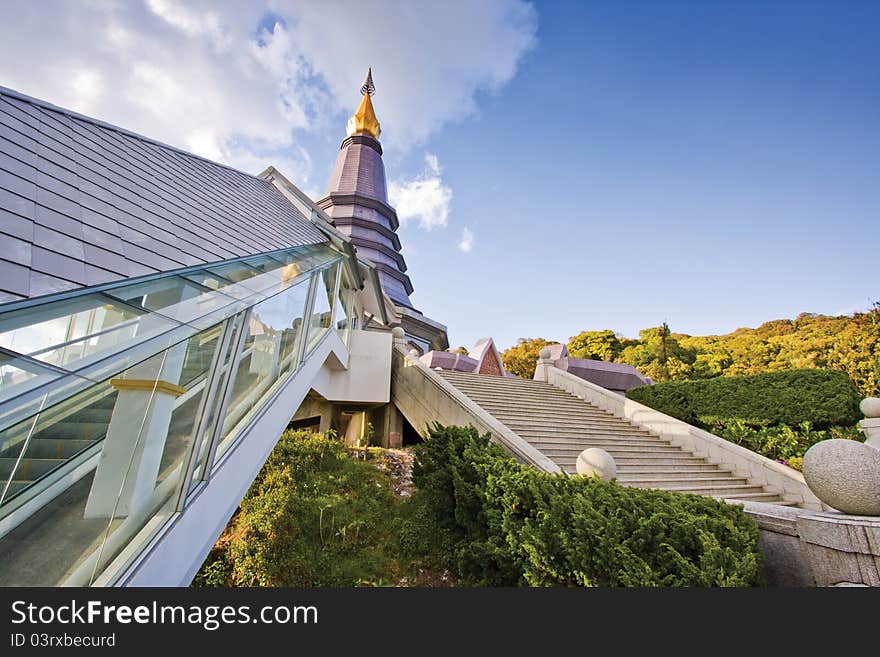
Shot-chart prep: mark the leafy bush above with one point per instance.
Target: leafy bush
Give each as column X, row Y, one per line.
column 782, row 443
column 512, row 525
column 824, row 398
column 314, row 516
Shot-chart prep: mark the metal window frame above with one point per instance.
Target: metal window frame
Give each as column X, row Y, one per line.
column 208, row 395
column 240, row 338
column 307, row 320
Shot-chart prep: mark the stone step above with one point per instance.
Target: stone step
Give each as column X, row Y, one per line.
column 535, row 402
column 543, row 414
column 523, row 391
column 611, row 431
column 28, row 469
column 683, row 468
column 654, row 460
column 710, row 490
column 470, row 376
column 551, row 418
column 596, row 441
column 548, row 410
column 658, row 481
column 623, row 449
column 573, row 422
column 570, row 427
column 566, row 401
column 759, row 496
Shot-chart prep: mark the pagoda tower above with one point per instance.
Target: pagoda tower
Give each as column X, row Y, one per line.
column 357, row 203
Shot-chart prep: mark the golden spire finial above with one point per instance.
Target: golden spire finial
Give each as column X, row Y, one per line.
column 364, row 119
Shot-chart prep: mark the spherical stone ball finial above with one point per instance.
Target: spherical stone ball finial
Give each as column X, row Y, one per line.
column 398, row 333
column 596, row 462
column 870, row 407
column 545, row 353
column 845, row 474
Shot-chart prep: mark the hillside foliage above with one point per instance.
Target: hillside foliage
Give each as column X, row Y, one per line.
column 850, row 344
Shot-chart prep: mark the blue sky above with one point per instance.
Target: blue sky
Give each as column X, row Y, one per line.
column 614, row 164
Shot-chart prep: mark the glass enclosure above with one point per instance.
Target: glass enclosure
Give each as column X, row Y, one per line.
column 115, row 404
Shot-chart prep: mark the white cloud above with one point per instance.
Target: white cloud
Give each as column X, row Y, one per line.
column 88, row 86
column 433, row 164
column 237, row 80
column 424, row 198
column 467, row 240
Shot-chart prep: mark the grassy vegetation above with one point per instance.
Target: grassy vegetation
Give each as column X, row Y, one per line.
column 317, row 516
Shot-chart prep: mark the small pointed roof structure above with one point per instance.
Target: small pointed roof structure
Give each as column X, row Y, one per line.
column 488, row 359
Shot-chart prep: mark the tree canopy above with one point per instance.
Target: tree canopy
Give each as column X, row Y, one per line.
column 522, row 358
column 847, row 343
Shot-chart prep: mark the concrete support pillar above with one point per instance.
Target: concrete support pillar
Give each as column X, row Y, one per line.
column 132, row 453
column 135, row 442
column 354, row 433
column 391, row 426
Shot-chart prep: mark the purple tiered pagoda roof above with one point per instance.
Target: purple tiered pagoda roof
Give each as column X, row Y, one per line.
column 357, row 202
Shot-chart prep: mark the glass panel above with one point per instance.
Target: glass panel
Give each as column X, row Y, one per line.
column 175, row 297
column 69, row 334
column 104, row 468
column 211, row 413
column 269, row 353
column 325, row 292
column 19, row 374
column 344, row 310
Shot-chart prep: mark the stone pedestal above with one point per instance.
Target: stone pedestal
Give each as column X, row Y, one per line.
column 545, row 361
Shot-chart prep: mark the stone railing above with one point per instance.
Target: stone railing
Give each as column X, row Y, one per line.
column 758, row 469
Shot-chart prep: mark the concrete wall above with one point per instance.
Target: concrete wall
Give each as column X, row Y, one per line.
column 314, row 406
column 366, row 375
column 424, row 397
column 745, row 463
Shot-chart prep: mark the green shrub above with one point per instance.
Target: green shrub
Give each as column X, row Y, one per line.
column 781, row 442
column 513, row 525
column 314, row 516
column 824, row 398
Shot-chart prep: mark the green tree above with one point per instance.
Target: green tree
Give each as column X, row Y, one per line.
column 522, row 358
column 597, row 345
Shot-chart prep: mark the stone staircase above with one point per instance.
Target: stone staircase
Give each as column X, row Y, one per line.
column 561, row 425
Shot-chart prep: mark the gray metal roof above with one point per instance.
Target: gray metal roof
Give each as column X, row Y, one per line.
column 84, row 203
